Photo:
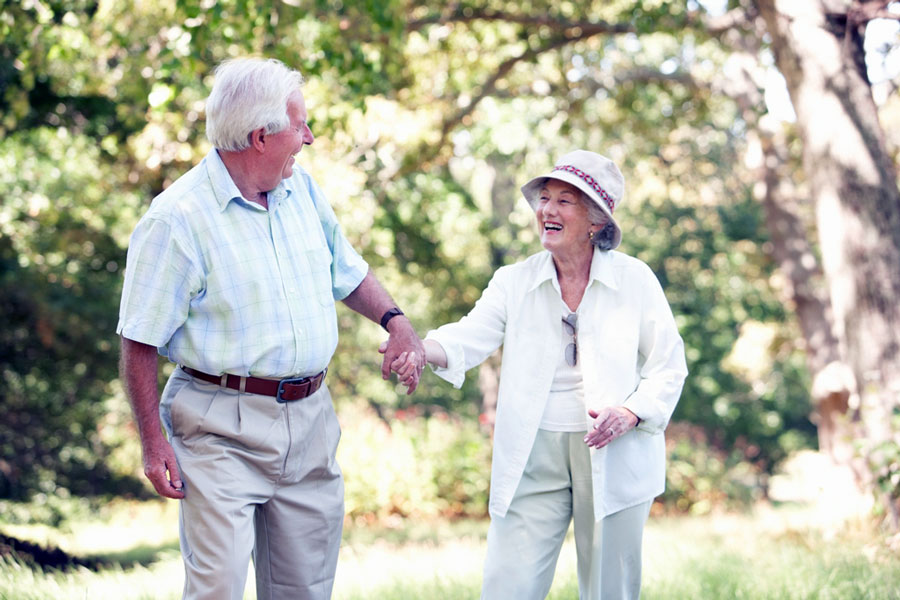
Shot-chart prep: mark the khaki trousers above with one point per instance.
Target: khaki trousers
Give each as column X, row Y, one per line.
column 524, row 545
column 261, row 481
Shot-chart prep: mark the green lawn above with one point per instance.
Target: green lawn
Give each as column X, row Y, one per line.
column 770, row 554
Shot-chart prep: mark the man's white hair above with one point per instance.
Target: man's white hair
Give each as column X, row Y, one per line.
column 248, row 93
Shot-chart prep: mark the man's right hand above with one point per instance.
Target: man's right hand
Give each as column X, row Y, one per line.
column 161, row 469
column 138, row 371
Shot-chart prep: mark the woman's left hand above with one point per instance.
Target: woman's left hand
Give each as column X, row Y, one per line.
column 609, row 424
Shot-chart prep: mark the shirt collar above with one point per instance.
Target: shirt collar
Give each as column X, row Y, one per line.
column 601, row 270
column 223, row 185
column 226, row 190
column 545, row 272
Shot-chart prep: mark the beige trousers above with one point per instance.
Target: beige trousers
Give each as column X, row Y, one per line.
column 524, row 545
column 261, row 481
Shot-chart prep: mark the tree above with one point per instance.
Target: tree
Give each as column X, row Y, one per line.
column 790, row 228
column 851, row 174
column 428, row 117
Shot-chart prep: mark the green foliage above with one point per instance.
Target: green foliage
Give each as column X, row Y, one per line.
column 884, row 462
column 61, row 259
column 715, row 275
column 417, row 467
column 428, row 117
column 701, row 478
column 52, row 510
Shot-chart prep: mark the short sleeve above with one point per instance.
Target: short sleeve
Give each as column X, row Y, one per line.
column 162, row 275
column 348, row 268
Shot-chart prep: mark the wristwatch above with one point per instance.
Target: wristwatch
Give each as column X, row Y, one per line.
column 390, row 314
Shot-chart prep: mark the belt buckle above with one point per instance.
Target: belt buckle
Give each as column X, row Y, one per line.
column 293, row 394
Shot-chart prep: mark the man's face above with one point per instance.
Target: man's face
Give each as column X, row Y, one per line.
column 282, row 146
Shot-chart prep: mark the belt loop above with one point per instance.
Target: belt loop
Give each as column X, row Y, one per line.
column 243, row 386
column 223, row 381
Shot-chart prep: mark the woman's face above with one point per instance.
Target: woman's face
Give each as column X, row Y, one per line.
column 562, row 218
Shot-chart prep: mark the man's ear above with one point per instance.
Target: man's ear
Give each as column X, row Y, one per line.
column 258, row 139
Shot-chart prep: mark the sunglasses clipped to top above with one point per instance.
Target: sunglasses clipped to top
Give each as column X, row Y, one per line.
column 571, row 324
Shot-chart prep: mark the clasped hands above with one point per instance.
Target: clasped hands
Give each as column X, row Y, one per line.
column 404, row 354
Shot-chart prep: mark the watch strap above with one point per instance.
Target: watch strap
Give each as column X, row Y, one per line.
column 390, row 314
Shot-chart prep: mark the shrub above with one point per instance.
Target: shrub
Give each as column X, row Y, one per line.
column 413, row 466
column 417, row 466
column 701, row 476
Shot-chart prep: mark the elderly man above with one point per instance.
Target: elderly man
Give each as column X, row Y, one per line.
column 233, row 274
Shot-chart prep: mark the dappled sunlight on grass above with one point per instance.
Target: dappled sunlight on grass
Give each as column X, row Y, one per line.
column 122, row 533
column 162, row 580
column 441, row 557
column 427, row 560
column 128, row 526
column 773, row 552
column 450, row 565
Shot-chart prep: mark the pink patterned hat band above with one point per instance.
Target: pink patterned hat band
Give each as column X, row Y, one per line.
column 590, row 181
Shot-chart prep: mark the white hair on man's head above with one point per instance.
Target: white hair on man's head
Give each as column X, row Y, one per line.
column 248, row 93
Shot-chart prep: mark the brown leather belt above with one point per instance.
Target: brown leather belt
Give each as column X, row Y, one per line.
column 284, row 390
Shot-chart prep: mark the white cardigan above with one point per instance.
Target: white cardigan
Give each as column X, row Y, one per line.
column 630, row 353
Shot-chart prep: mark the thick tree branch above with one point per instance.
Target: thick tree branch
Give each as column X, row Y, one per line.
column 736, row 18
column 490, row 86
column 863, row 11
column 566, row 32
column 459, row 14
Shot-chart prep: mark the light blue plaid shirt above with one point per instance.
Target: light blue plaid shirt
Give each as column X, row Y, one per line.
column 223, row 285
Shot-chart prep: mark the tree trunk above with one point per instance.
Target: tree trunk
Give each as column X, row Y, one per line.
column 489, row 385
column 503, row 194
column 854, row 183
column 833, row 383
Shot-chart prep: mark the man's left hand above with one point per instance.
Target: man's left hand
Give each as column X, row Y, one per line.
column 403, row 339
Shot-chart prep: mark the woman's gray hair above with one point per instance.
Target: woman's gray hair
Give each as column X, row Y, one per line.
column 248, row 94
column 603, row 239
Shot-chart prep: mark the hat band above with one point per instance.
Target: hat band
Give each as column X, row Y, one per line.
column 590, row 181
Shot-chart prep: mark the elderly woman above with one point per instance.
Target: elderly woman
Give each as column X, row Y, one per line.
column 592, row 369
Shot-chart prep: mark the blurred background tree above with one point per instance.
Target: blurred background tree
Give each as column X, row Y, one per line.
column 428, row 117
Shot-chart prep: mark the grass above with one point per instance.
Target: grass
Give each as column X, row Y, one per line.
column 769, row 554
column 741, row 557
